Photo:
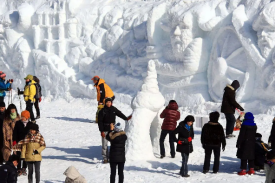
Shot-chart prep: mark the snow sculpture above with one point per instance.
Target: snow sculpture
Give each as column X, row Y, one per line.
column 146, row 105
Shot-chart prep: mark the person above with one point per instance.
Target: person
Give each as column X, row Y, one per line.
column 261, row 150
column 105, row 117
column 4, row 86
column 2, row 115
column 171, row 115
column 29, row 95
column 11, row 117
column 271, row 139
column 117, row 138
column 270, row 167
column 246, row 144
column 103, row 90
column 21, row 129
column 31, row 150
column 229, row 105
column 212, row 137
column 73, row 176
column 8, row 173
column 185, row 147
column 38, row 96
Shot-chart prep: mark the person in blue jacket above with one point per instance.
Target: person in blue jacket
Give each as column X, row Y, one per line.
column 4, row 86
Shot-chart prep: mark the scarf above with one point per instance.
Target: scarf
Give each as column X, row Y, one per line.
column 187, row 127
column 25, row 123
column 13, row 116
column 30, row 138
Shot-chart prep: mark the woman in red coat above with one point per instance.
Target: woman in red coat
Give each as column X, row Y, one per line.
column 171, row 115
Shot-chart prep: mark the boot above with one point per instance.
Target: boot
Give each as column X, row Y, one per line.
column 186, row 175
column 251, row 171
column 162, row 156
column 37, row 117
column 242, row 172
column 205, row 171
column 236, row 129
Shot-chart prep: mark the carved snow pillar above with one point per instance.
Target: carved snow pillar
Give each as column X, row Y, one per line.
column 46, row 18
column 72, row 30
column 61, row 32
column 48, row 46
column 49, row 31
column 62, row 48
column 40, row 19
column 36, row 36
column 54, row 18
column 62, row 17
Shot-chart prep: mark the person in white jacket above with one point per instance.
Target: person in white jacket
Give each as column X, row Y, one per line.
column 73, row 176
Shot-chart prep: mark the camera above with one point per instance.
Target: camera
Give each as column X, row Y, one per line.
column 10, row 80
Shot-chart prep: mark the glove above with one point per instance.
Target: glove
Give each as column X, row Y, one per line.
column 180, row 142
column 223, row 148
column 189, row 139
column 35, row 152
column 14, row 143
column 30, row 101
column 40, row 99
column 129, row 117
column 100, row 103
column 103, row 134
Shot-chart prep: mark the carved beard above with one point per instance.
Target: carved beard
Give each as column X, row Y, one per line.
column 265, row 51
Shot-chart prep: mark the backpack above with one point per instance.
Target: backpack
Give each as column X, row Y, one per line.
column 38, row 94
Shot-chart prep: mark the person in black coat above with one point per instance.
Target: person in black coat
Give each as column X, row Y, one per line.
column 185, row 133
column 271, row 140
column 38, row 96
column 229, row 105
column 8, row 172
column 118, row 138
column 106, row 116
column 2, row 115
column 21, row 129
column 261, row 149
column 246, row 144
column 212, row 137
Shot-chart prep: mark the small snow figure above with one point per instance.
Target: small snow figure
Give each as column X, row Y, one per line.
column 171, row 115
column 246, row 144
column 185, row 147
column 4, row 86
column 261, row 150
column 8, row 173
column 271, row 140
column 229, row 105
column 270, row 167
column 212, row 137
column 118, row 138
column 73, row 176
column 105, row 117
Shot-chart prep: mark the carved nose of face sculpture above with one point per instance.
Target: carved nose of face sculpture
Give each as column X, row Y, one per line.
column 177, row 31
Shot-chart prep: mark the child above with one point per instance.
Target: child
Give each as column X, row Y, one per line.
column 171, row 115
column 185, row 135
column 246, row 144
column 260, row 152
column 270, row 167
column 32, row 147
column 8, row 172
column 212, row 137
column 118, row 138
column 73, row 176
column 21, row 129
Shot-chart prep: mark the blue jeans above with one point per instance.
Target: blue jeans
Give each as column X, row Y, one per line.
column 184, row 167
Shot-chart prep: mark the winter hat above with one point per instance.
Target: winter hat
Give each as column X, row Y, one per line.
column 189, row 118
column 95, row 78
column 26, row 114
column 172, row 101
column 34, row 127
column 258, row 136
column 30, row 77
column 13, row 158
column 270, row 155
column 214, row 117
column 248, row 116
column 235, row 84
column 12, row 106
column 2, row 75
column 108, row 99
column 118, row 127
column 2, row 104
column 249, row 119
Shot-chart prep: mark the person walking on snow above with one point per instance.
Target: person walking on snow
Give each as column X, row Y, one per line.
column 38, row 96
column 246, row 144
column 171, row 115
column 105, row 117
column 185, row 147
column 29, row 95
column 4, row 86
column 229, row 105
column 270, row 167
column 8, row 172
column 212, row 137
column 271, row 139
column 21, row 129
column 117, row 138
column 11, row 117
column 2, row 116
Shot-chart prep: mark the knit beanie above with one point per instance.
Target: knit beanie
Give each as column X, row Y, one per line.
column 235, row 84
column 34, row 127
column 118, row 127
column 248, row 116
column 12, row 106
column 2, row 75
column 108, row 99
column 2, row 104
column 214, row 117
column 26, row 114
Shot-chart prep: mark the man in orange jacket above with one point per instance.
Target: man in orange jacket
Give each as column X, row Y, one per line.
column 103, row 90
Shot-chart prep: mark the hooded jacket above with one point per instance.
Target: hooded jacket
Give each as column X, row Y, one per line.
column 3, row 87
column 8, row 173
column 183, row 135
column 272, row 136
column 30, row 91
column 73, row 176
column 229, row 103
column 117, row 150
column 213, row 134
column 171, row 115
column 103, row 91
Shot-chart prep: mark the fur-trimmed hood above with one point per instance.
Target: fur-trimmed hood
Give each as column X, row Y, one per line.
column 229, row 86
column 113, row 135
column 213, row 123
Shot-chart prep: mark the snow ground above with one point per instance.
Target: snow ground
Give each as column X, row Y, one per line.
column 72, row 140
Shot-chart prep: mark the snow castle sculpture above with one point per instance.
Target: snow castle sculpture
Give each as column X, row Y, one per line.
column 146, row 105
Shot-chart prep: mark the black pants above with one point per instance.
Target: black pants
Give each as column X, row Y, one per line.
column 29, row 106
column 120, row 172
column 171, row 141
column 36, row 105
column 230, row 123
column 21, row 164
column 1, row 156
column 208, row 151
column 36, row 165
column 2, row 99
column 244, row 164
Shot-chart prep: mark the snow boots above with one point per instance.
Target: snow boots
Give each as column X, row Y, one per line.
column 242, row 172
column 251, row 171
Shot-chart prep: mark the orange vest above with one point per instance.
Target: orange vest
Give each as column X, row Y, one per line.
column 108, row 91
